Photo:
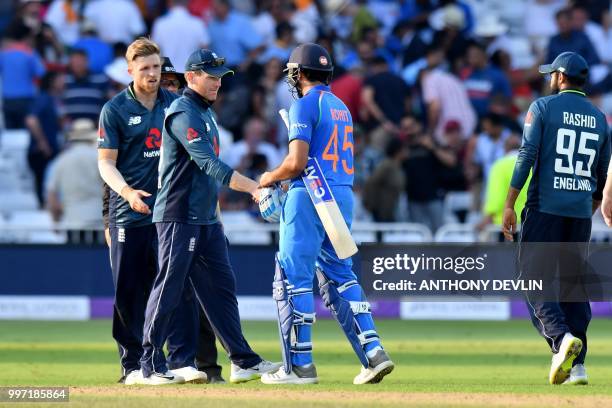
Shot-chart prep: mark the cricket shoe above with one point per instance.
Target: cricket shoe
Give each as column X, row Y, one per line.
column 240, row 375
column 562, row 361
column 191, row 375
column 298, row 375
column 578, row 376
column 378, row 366
column 134, row 377
column 162, row 379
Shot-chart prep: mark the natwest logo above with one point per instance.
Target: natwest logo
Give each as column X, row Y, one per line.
column 153, row 140
column 192, row 135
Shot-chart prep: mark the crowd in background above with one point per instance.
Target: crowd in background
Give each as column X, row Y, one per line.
column 437, row 88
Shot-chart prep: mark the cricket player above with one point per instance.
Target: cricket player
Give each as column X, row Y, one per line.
column 566, row 142
column 192, row 246
column 320, row 126
column 128, row 157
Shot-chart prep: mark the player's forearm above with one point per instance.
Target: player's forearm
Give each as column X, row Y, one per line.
column 289, row 168
column 112, row 177
column 513, row 194
column 524, row 162
column 239, row 182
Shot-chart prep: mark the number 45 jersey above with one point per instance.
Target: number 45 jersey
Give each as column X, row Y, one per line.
column 567, row 142
column 324, row 122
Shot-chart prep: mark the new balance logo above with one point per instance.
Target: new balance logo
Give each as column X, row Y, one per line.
column 192, row 243
column 134, row 120
column 121, row 235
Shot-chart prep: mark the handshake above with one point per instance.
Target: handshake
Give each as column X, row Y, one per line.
column 271, row 200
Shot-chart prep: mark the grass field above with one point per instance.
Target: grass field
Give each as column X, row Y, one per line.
column 439, row 363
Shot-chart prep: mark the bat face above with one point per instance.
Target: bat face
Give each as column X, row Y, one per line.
column 315, row 182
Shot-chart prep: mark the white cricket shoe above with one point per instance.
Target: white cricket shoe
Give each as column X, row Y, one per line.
column 133, row 378
column 379, row 366
column 298, row 375
column 162, row 379
column 578, row 376
column 191, row 375
column 562, row 361
column 240, row 375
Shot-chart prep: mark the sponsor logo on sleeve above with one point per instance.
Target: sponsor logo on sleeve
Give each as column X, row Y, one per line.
column 192, row 135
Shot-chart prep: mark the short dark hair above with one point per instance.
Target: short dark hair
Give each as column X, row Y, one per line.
column 394, row 146
column 564, row 12
column 495, row 118
column 316, row 76
column 578, row 82
column 283, row 28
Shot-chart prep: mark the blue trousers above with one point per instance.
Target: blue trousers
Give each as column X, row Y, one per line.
column 303, row 246
column 134, row 265
column 553, row 319
column 194, row 255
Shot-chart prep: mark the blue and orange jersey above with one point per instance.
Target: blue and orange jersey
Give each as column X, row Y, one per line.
column 566, row 141
column 323, row 121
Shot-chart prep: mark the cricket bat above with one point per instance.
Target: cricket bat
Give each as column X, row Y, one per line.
column 325, row 205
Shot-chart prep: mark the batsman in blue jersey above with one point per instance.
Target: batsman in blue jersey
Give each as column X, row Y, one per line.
column 566, row 141
column 320, row 127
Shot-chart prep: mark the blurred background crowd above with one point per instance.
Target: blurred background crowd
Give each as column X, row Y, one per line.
column 437, row 90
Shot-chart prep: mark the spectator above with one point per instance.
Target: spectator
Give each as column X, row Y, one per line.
column 488, row 146
column 348, row 88
column 7, row 11
column 232, row 34
column 594, row 31
column 125, row 22
column 171, row 79
column 178, row 33
column 271, row 13
column 99, row 53
column 43, row 122
column 540, row 22
column 282, row 47
column 422, row 169
column 410, row 43
column 272, row 74
column 385, row 96
column 85, row 92
column 570, row 39
column 497, row 186
column 450, row 36
column 445, row 99
column 452, row 176
column 46, row 43
column 74, row 192
column 483, row 81
column 383, row 189
column 20, row 66
column 65, row 16
column 240, row 155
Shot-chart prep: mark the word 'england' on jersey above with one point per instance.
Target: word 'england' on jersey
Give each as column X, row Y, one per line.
column 572, row 184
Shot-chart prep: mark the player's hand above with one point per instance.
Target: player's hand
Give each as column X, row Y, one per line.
column 255, row 194
column 107, row 237
column 509, row 223
column 266, row 179
column 134, row 197
column 606, row 210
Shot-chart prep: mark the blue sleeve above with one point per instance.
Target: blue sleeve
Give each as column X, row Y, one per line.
column 249, row 38
column 38, row 66
column 303, row 117
column 602, row 164
column 108, row 129
column 532, row 135
column 188, row 130
column 503, row 85
column 39, row 104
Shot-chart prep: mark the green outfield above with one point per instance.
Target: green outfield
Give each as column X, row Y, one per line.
column 439, row 363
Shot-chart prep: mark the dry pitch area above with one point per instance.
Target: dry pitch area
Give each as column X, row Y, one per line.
column 439, row 364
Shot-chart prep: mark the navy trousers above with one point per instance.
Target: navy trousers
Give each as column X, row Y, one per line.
column 194, row 255
column 134, row 265
column 553, row 319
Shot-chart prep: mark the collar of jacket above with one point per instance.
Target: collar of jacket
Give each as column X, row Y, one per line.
column 191, row 94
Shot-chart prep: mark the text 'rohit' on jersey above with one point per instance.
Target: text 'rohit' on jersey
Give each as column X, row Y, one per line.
column 136, row 133
column 324, row 122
